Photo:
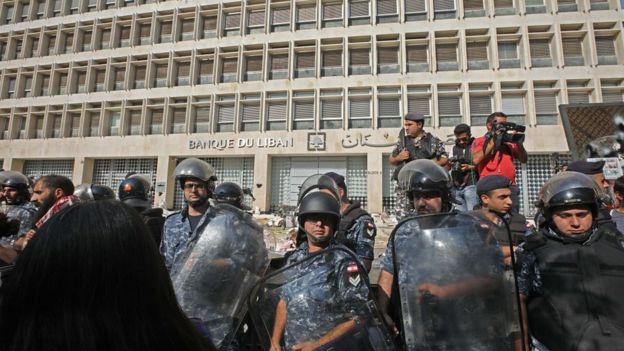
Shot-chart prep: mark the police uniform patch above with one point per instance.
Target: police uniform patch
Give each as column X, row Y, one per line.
column 354, row 276
column 370, row 230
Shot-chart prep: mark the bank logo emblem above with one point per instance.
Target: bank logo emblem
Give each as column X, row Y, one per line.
column 316, row 141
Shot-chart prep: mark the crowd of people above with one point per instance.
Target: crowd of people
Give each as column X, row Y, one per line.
column 92, row 269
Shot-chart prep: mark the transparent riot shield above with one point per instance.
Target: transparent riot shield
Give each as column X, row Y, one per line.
column 214, row 277
column 455, row 291
column 323, row 302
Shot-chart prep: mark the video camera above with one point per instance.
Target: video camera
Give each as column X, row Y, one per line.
column 510, row 132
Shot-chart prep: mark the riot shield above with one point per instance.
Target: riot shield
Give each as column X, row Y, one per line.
column 455, row 291
column 322, row 301
column 217, row 272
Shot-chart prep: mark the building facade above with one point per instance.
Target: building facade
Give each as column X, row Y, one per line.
column 270, row 92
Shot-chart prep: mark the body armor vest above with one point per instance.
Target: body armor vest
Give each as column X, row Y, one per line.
column 423, row 151
column 354, row 211
column 581, row 308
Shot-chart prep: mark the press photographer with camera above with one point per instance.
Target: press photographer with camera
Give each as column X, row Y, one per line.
column 494, row 153
column 463, row 171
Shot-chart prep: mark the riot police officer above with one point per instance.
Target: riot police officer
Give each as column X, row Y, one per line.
column 571, row 272
column 323, row 292
column 230, row 193
column 15, row 188
column 134, row 192
column 429, row 191
column 94, row 192
column 196, row 178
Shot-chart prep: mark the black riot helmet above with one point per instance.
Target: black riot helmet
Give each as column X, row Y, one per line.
column 566, row 189
column 134, row 192
column 14, row 179
column 93, row 192
column 426, row 176
column 318, row 182
column 229, row 193
column 318, row 203
column 194, row 168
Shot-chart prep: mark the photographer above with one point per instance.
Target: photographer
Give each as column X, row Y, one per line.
column 463, row 171
column 495, row 152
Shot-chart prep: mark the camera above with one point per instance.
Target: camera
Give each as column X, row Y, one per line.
column 456, row 163
column 509, row 132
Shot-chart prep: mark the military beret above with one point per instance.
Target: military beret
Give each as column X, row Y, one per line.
column 492, row 182
column 416, row 117
column 586, row 167
column 340, row 180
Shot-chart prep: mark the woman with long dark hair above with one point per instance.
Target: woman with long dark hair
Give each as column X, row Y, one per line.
column 92, row 279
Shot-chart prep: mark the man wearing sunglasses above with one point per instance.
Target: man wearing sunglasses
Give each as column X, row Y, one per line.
column 463, row 171
column 196, row 178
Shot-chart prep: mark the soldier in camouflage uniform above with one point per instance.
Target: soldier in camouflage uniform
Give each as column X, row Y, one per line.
column 414, row 144
column 357, row 228
column 15, row 190
column 320, row 302
column 196, row 178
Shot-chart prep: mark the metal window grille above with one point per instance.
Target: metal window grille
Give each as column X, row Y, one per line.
column 473, row 5
column 415, row 6
column 546, row 107
column 449, row 110
column 386, row 7
column 578, row 97
column 480, row 108
column 530, row 177
column 110, row 172
column 359, row 9
column 573, row 51
column 38, row 168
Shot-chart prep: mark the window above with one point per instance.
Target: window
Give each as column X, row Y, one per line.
column 209, row 26
column 93, row 119
column 447, row 57
column 389, row 108
column 546, row 107
column 183, row 76
column 419, row 100
column 360, row 108
column 165, row 31
column 474, row 8
column 599, row 5
column 25, row 16
column 540, row 53
column 45, row 84
column 417, row 57
column 226, row 112
column 114, row 122
column 303, row 111
column 573, row 51
column 253, row 68
column 11, row 87
column 56, row 8
column 134, row 122
column 359, row 12
column 40, row 9
column 477, row 53
column 124, row 36
column 306, row 16
column 250, row 113
column 139, row 77
column 80, row 81
column 28, row 86
column 331, row 110
column 74, row 6
column 578, row 97
column 4, row 128
column 229, row 70
column 69, row 42
column 120, row 76
column 202, row 118
column 359, row 61
column 205, row 75
column 21, row 127
column 513, row 105
column 480, row 108
column 504, row 7
column 276, row 111
column 415, row 10
column 567, row 6
column 232, row 24
column 39, row 124
column 387, row 11
column 332, row 63
column 187, row 29
column 444, row 9
column 280, row 19
column 508, row 55
column 8, row 14
column 160, row 75
column 74, row 128
column 535, row 6
column 145, row 34
column 279, row 66
column 449, row 110
column 387, row 60
column 332, row 14
column 605, row 48
column 62, row 87
column 178, row 120
column 155, row 121
column 305, row 65
column 86, row 40
column 256, row 21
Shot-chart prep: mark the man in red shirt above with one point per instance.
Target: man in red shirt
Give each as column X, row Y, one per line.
column 497, row 158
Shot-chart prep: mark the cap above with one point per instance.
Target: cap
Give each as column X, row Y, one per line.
column 415, row 116
column 492, row 182
column 586, row 167
column 340, row 180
